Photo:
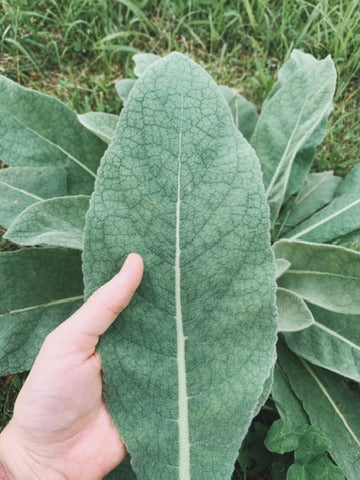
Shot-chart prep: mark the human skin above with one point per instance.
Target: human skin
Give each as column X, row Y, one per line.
column 61, row 428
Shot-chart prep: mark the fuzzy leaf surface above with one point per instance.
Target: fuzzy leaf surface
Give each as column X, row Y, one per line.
column 143, row 61
column 40, row 288
column 100, row 124
column 23, row 186
column 243, row 111
column 332, row 404
column 124, row 87
column 287, row 122
column 325, row 275
column 57, row 222
column 318, row 191
column 293, row 313
column 332, row 342
column 339, row 218
column 38, row 130
column 304, row 158
column 287, row 403
column 180, row 185
column 281, row 266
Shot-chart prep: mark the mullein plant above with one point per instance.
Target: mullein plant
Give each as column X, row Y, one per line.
column 252, row 263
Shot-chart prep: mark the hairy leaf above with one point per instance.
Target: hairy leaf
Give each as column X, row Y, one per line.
column 124, row 87
column 287, row 122
column 287, row 403
column 57, row 222
column 100, row 123
column 340, row 217
column 38, row 130
column 325, row 275
column 332, row 342
column 281, row 266
column 40, row 288
column 350, row 240
column 243, row 111
column 332, row 405
column 304, row 158
column 186, row 364
column 317, row 192
column 143, row 61
column 293, row 313
column 23, row 186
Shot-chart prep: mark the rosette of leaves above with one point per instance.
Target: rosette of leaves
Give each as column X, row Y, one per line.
column 181, row 185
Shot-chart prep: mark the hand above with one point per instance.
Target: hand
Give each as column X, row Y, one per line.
column 61, row 428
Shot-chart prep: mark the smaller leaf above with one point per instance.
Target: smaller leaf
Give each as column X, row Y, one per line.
column 332, row 342
column 281, row 438
column 281, row 266
column 101, row 124
column 340, row 217
column 317, row 192
column 40, row 287
column 332, row 405
column 143, row 61
column 313, row 443
column 293, row 313
column 58, row 222
column 292, row 119
column 243, row 111
column 325, row 275
column 287, row 403
column 124, row 87
column 320, row 469
column 350, row 240
column 23, row 186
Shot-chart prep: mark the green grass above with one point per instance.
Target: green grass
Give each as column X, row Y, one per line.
column 77, row 49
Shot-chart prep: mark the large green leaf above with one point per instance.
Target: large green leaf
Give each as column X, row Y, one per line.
column 36, row 129
column 40, row 287
column 333, row 405
column 293, row 313
column 58, row 222
column 23, row 186
column 187, row 363
column 317, row 192
column 338, row 218
column 288, row 121
column 332, row 342
column 100, row 123
column 243, row 111
column 325, row 275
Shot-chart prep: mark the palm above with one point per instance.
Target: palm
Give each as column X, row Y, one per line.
column 64, row 418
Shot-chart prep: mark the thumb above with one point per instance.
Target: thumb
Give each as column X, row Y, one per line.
column 85, row 326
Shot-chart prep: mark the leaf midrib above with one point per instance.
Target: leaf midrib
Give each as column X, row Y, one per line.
column 330, row 400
